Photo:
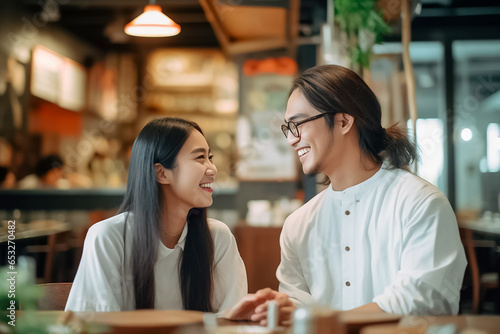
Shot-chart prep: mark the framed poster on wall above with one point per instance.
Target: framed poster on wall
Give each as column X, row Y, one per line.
column 57, row 79
column 264, row 154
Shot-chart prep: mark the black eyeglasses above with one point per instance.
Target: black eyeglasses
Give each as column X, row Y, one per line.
column 293, row 127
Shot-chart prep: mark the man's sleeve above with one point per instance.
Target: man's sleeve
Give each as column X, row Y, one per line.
column 289, row 273
column 432, row 263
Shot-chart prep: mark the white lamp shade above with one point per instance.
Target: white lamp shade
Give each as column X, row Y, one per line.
column 152, row 23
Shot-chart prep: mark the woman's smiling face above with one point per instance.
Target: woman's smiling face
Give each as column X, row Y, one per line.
column 190, row 181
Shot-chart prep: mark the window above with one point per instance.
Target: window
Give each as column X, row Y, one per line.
column 476, row 124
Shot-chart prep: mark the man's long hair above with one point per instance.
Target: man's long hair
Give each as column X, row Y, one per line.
column 332, row 88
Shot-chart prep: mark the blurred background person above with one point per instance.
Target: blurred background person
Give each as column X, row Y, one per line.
column 7, row 178
column 49, row 173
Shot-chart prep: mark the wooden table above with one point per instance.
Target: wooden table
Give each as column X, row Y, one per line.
column 128, row 322
column 190, row 322
column 44, row 228
column 146, row 321
column 353, row 322
column 421, row 325
column 482, row 226
column 349, row 323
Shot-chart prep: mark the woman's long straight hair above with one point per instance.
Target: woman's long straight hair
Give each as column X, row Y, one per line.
column 335, row 88
column 160, row 142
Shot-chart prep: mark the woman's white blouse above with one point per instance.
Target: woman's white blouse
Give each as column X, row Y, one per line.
column 100, row 286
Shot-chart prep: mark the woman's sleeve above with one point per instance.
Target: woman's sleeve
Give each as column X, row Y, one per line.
column 97, row 285
column 230, row 277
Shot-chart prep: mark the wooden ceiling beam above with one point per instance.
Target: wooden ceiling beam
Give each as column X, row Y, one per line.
column 256, row 45
column 214, row 17
column 286, row 39
column 293, row 18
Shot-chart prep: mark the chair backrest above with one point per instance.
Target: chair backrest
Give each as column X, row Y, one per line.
column 55, row 296
column 58, row 242
column 467, row 238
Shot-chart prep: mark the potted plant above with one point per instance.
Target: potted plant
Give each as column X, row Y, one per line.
column 363, row 23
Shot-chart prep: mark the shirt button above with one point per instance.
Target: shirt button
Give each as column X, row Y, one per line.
column 347, row 212
column 347, row 248
column 348, row 283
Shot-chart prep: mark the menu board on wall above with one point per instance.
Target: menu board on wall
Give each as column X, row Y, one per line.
column 263, row 150
column 57, row 79
column 192, row 81
column 72, row 86
column 45, row 74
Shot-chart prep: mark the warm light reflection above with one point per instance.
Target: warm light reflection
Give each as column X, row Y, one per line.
column 152, row 23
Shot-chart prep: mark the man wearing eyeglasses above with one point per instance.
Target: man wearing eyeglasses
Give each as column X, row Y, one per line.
column 379, row 238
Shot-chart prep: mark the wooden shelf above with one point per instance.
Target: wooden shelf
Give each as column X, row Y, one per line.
column 57, row 199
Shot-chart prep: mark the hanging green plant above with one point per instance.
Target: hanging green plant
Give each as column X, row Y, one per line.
column 364, row 26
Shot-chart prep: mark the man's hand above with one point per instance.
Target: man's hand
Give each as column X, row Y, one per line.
column 254, row 307
column 285, row 306
column 244, row 309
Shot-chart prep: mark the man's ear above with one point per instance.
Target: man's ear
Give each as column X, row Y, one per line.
column 346, row 122
column 162, row 175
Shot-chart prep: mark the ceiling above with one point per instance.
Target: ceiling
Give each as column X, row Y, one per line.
column 100, row 22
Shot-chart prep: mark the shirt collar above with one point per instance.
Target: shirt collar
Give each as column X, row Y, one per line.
column 164, row 251
column 360, row 187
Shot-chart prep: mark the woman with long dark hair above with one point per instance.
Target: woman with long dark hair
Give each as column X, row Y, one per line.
column 161, row 251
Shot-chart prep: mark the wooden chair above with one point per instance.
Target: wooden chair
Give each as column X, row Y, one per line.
column 55, row 296
column 57, row 241
column 480, row 282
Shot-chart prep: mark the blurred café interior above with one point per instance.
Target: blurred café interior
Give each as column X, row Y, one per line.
column 75, row 90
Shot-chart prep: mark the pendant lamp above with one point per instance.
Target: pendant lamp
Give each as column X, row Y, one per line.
column 152, row 23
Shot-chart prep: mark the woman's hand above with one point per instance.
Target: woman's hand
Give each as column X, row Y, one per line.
column 285, row 306
column 254, row 307
column 244, row 309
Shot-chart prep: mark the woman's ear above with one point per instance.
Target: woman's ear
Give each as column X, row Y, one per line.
column 346, row 122
column 161, row 174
